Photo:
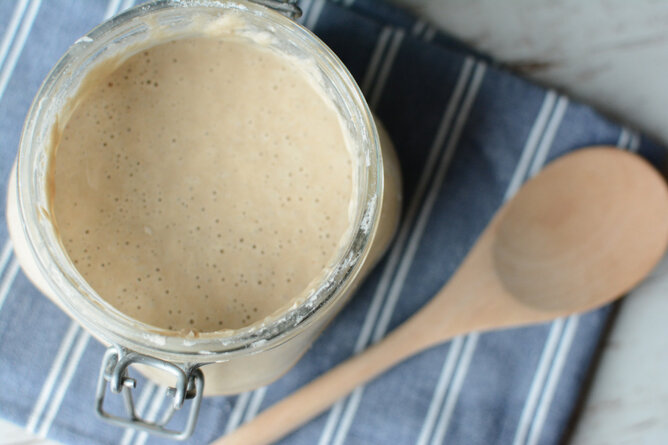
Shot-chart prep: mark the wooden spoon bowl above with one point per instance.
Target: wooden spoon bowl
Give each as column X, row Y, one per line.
column 601, row 231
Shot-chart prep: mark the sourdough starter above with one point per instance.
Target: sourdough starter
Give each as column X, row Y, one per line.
column 202, row 184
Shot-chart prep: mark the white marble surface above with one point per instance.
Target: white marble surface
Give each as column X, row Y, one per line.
column 628, row 402
column 612, row 54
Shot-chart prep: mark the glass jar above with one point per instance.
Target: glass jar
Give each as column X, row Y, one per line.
column 230, row 361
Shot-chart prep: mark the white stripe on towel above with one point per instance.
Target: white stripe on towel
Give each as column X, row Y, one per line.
column 237, row 412
column 379, row 86
column 531, row 144
column 305, row 6
column 548, row 137
column 19, row 43
column 376, row 58
column 471, row 341
column 152, row 414
column 5, row 255
column 126, row 5
column 451, row 359
column 255, row 402
column 112, row 7
column 430, row 33
column 314, row 14
column 12, row 27
column 54, row 372
column 553, row 378
column 538, row 381
column 8, row 280
column 418, row 27
column 64, row 383
column 634, row 145
column 142, row 402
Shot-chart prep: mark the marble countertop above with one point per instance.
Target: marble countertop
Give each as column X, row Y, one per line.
column 611, row 54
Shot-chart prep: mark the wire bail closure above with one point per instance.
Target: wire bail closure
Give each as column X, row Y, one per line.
column 114, row 371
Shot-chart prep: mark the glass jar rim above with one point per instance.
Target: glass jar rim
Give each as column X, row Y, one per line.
column 112, row 326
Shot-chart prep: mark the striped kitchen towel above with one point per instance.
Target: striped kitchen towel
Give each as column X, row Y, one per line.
column 467, row 135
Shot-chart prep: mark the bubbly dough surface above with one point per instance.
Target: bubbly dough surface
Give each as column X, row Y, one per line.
column 203, row 184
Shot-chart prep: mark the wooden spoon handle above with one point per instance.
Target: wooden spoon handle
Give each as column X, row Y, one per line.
column 314, row 398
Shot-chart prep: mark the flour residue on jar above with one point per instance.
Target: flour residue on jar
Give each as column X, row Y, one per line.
column 202, row 184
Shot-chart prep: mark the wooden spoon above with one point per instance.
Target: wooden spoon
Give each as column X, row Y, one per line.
column 581, row 233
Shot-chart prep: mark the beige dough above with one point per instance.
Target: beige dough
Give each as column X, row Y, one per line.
column 203, row 184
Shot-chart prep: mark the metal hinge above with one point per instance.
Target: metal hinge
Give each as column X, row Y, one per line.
column 114, row 371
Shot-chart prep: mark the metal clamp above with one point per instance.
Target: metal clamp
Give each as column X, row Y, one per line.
column 288, row 8
column 189, row 385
